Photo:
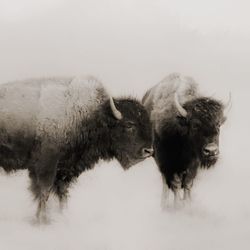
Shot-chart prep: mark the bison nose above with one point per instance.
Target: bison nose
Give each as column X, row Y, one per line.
column 147, row 152
column 211, row 149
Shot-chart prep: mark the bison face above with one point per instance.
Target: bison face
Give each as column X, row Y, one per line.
column 204, row 139
column 202, row 122
column 132, row 134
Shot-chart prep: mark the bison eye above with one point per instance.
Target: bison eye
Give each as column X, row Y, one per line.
column 195, row 125
column 130, row 125
column 182, row 120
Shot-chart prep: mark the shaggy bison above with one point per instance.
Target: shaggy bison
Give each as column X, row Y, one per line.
column 59, row 127
column 186, row 131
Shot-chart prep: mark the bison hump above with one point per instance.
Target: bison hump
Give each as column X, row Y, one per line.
column 160, row 100
column 62, row 110
column 52, row 107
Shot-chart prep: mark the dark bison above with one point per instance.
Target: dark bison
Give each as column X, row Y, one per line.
column 186, row 131
column 57, row 128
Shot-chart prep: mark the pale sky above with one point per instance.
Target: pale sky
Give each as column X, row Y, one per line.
column 196, row 14
column 129, row 44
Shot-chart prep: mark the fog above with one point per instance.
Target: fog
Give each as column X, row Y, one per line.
column 130, row 46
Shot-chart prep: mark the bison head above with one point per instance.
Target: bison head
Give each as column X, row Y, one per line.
column 200, row 119
column 131, row 132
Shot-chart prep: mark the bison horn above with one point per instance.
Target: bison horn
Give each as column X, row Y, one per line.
column 117, row 114
column 228, row 105
column 180, row 109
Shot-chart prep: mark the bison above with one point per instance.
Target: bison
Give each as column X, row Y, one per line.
column 186, row 129
column 59, row 127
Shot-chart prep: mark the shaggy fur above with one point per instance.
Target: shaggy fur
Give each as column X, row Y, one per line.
column 57, row 128
column 179, row 141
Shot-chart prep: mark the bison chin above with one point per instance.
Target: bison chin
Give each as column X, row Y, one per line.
column 127, row 161
column 208, row 161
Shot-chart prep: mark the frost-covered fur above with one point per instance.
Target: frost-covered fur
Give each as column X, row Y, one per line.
column 54, row 105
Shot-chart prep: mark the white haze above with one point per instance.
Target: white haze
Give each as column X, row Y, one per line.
column 131, row 45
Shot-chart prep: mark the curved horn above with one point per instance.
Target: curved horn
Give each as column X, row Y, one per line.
column 180, row 109
column 117, row 114
column 228, row 105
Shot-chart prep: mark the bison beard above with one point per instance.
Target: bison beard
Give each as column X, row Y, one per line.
column 186, row 136
column 56, row 147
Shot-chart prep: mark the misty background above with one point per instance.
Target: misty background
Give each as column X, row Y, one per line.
column 130, row 46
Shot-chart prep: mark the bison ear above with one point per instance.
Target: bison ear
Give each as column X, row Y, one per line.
column 117, row 114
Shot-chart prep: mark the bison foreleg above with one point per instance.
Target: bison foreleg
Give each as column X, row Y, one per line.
column 187, row 190
column 61, row 191
column 187, row 182
column 41, row 213
column 165, row 194
column 177, row 198
column 176, row 186
column 187, row 194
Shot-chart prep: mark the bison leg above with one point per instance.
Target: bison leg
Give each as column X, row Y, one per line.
column 187, row 190
column 41, row 213
column 42, row 173
column 173, row 183
column 187, row 182
column 176, row 187
column 165, row 194
column 64, row 177
column 41, row 192
column 177, row 198
column 187, row 194
column 61, row 191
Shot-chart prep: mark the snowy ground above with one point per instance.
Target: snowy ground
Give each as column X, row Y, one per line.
column 131, row 45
